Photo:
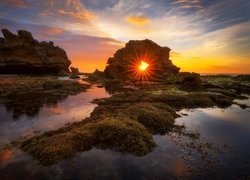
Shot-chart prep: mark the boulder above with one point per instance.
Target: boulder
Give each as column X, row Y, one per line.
column 190, row 81
column 125, row 63
column 74, row 70
column 22, row 54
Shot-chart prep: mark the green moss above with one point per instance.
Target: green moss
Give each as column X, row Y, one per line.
column 124, row 136
column 50, row 149
column 170, row 90
column 125, row 122
column 156, row 120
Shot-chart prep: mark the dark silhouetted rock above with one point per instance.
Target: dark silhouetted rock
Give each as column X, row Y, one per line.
column 242, row 77
column 190, row 81
column 74, row 76
column 74, row 70
column 124, row 64
column 22, row 54
column 63, row 73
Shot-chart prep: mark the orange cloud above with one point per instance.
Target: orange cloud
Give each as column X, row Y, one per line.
column 138, row 20
column 15, row 3
column 186, row 4
column 81, row 15
column 69, row 9
column 54, row 31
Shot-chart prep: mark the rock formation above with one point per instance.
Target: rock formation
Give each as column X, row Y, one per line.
column 22, row 54
column 124, row 64
column 74, row 70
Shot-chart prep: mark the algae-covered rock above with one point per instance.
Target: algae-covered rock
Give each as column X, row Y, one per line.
column 190, row 81
column 242, row 77
column 50, row 149
column 157, row 120
column 123, row 136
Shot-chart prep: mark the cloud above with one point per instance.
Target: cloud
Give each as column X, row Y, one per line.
column 86, row 52
column 14, row 3
column 71, row 15
column 73, row 9
column 187, row 4
column 138, row 20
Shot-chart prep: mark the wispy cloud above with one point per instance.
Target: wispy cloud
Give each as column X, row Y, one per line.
column 65, row 9
column 186, row 4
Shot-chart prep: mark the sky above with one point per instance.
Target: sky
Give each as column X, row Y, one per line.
column 206, row 36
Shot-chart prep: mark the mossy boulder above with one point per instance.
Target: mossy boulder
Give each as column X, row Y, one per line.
column 124, row 136
column 156, row 119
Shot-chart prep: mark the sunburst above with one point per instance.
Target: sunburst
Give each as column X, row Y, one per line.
column 142, row 67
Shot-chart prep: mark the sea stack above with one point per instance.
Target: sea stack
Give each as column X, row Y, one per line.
column 125, row 62
column 22, row 54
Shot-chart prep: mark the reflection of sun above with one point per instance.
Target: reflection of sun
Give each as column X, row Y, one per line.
column 143, row 66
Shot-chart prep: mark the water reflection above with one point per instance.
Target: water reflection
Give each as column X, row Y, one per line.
column 215, row 125
column 39, row 113
column 29, row 103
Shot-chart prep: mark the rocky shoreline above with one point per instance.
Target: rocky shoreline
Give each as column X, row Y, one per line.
column 127, row 121
column 27, row 94
column 143, row 103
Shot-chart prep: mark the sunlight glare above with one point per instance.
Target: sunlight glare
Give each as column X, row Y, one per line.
column 143, row 66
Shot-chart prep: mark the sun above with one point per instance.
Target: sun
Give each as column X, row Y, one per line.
column 143, row 66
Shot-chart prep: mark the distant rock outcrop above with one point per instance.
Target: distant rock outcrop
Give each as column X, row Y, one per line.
column 74, row 70
column 22, row 54
column 124, row 64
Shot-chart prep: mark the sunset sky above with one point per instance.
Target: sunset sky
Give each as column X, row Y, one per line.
column 206, row 36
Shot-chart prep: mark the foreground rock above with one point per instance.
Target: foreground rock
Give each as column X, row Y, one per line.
column 127, row 121
column 22, row 54
column 124, row 64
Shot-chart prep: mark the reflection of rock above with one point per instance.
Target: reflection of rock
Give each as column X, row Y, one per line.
column 26, row 95
column 23, row 54
column 126, row 60
column 74, row 70
column 29, row 103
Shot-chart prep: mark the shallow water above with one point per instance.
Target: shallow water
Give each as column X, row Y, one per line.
column 228, row 130
column 49, row 116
